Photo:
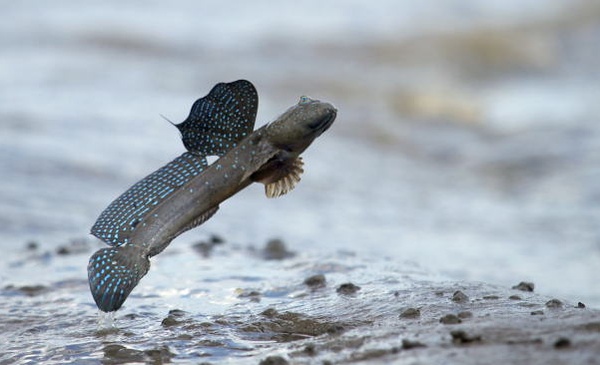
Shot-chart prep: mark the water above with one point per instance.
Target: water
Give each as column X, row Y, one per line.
column 467, row 147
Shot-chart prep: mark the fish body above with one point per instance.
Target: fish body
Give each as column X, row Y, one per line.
column 186, row 192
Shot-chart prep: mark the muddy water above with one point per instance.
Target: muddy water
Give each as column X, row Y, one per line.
column 466, row 150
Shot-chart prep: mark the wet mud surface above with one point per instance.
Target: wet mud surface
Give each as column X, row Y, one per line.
column 301, row 309
column 466, row 151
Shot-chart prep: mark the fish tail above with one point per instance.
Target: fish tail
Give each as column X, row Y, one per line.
column 113, row 272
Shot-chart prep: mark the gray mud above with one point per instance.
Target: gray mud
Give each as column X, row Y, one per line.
column 297, row 310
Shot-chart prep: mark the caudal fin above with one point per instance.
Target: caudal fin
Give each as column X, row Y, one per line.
column 113, row 272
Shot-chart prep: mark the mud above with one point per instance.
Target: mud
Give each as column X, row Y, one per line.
column 399, row 314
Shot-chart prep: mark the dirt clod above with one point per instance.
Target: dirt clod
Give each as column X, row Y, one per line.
column 274, row 360
column 315, row 281
column 347, row 289
column 554, row 303
column 32, row 245
column 408, row 344
column 450, row 319
column 275, row 249
column 410, row 313
column 524, row 286
column 460, row 297
column 461, row 337
column 562, row 343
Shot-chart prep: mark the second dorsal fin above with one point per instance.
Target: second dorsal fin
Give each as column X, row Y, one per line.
column 218, row 121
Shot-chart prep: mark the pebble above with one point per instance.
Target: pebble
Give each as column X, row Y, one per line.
column 275, row 250
column 274, row 360
column 315, row 281
column 408, row 344
column 450, row 319
column 347, row 289
column 460, row 297
column 554, row 303
column 461, row 337
column 562, row 343
column 524, row 286
column 410, row 313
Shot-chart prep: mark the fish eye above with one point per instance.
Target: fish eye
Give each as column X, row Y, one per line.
column 304, row 100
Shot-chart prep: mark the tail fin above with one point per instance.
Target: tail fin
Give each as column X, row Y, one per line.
column 113, row 272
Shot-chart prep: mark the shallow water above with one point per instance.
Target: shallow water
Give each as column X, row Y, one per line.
column 466, row 148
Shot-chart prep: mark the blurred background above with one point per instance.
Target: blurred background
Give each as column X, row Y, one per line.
column 467, row 139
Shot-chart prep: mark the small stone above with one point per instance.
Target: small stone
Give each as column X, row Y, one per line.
column 176, row 313
column 275, row 250
column 554, row 303
column 408, row 344
column 580, row 305
column 461, row 337
column 32, row 245
column 515, row 297
column 315, row 281
column 410, row 313
column 460, row 297
column 524, row 286
column 253, row 295
column 450, row 319
column 216, row 240
column 63, row 250
column 538, row 312
column 562, row 343
column 347, row 289
column 274, row 360
column 169, row 321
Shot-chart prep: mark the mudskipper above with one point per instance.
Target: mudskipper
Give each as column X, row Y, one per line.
column 187, row 191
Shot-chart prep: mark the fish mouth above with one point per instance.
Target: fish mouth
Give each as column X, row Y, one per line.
column 322, row 124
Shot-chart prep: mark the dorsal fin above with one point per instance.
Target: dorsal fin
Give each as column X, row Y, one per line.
column 218, row 121
column 119, row 220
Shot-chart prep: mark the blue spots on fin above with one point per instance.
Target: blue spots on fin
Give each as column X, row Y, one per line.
column 113, row 272
column 218, row 121
column 120, row 219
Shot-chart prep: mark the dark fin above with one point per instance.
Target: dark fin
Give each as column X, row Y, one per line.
column 218, row 121
column 280, row 176
column 118, row 221
column 195, row 223
column 113, row 272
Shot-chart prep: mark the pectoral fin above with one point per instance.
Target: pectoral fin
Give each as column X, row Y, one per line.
column 280, row 176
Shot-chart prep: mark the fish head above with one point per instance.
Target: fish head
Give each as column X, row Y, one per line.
column 300, row 125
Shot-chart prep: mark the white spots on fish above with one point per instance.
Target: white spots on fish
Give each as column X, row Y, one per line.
column 140, row 199
column 218, row 121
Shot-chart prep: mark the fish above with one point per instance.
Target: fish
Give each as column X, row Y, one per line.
column 188, row 191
